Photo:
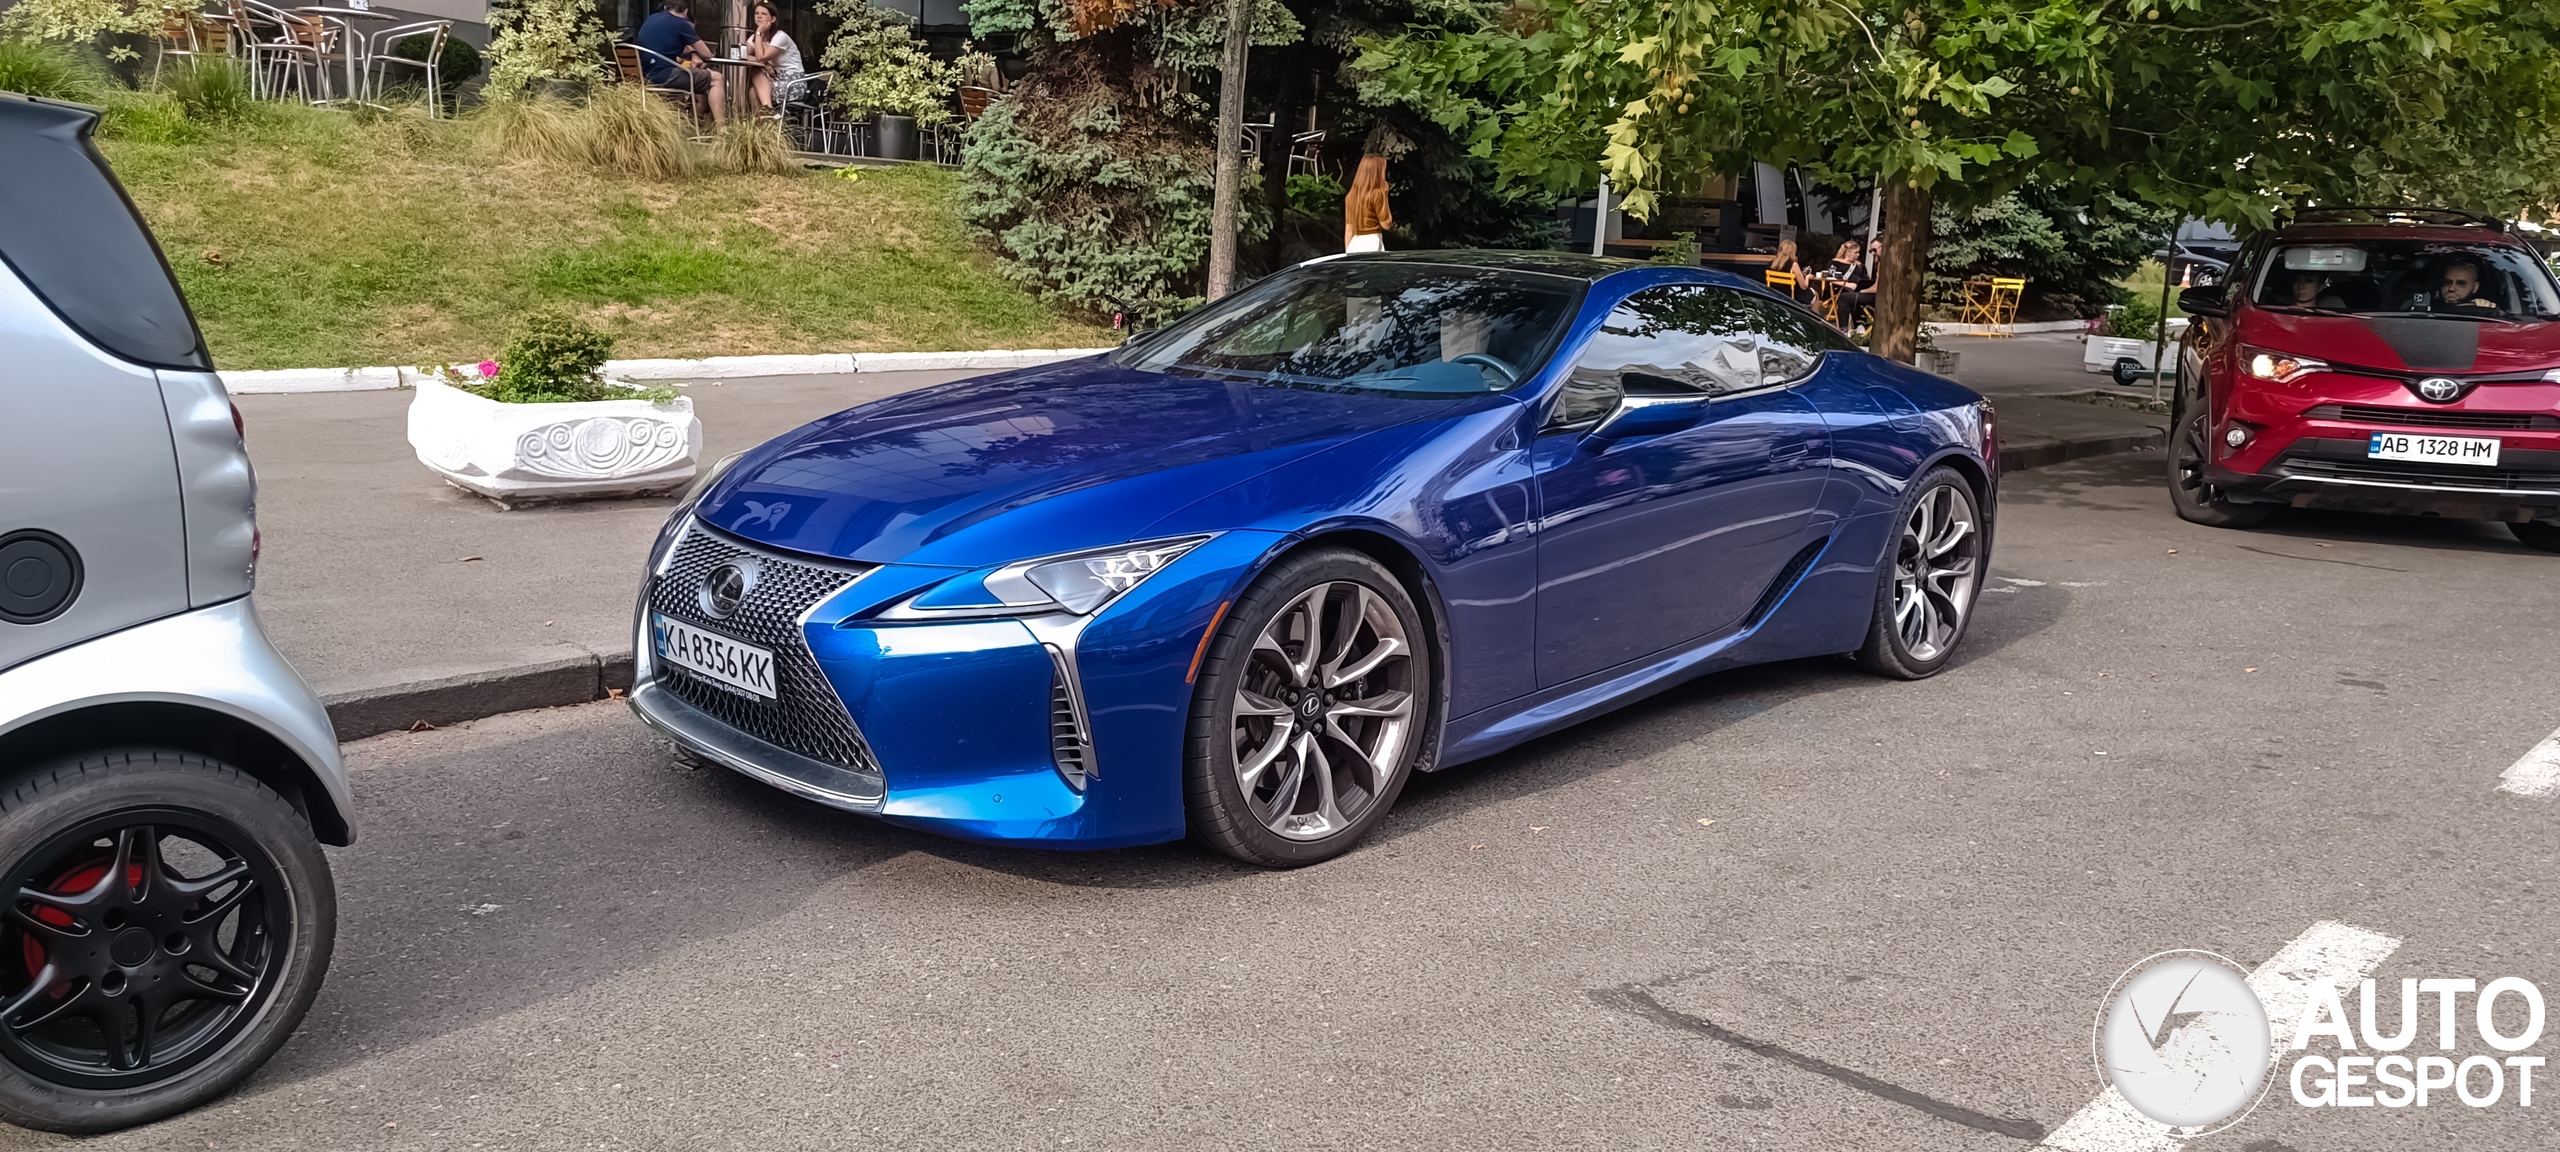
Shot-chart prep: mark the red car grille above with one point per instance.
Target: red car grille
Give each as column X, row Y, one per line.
column 2436, row 418
column 2437, row 475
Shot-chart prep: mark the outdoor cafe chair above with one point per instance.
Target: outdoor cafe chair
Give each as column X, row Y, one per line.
column 283, row 46
column 807, row 119
column 631, row 62
column 1306, row 153
column 382, row 54
column 189, row 33
column 1826, row 301
column 1782, row 280
column 2000, row 305
column 975, row 99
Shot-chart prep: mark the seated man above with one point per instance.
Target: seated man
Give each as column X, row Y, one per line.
column 669, row 34
column 2458, row 290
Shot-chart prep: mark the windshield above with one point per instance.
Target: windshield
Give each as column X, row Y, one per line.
column 1425, row 329
column 2408, row 277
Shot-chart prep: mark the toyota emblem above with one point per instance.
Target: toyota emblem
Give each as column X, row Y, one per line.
column 724, row 589
column 2439, row 390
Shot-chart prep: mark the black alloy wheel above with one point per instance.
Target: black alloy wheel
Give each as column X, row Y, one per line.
column 169, row 921
column 2196, row 499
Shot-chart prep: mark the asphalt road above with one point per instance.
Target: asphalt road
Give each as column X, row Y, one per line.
column 1893, row 935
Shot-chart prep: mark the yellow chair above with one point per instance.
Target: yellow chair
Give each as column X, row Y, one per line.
column 2000, row 305
column 1976, row 308
column 1826, row 301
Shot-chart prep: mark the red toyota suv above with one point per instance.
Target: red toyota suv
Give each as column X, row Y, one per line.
column 2383, row 360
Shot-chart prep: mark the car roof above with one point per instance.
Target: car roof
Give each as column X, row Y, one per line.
column 1571, row 264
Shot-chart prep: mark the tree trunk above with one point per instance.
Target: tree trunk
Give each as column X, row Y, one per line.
column 1900, row 271
column 1223, row 209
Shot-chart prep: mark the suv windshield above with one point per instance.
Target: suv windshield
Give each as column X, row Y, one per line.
column 2408, row 277
column 1424, row 329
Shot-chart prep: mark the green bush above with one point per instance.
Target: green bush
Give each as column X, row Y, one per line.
column 2138, row 318
column 552, row 357
column 52, row 71
column 2070, row 253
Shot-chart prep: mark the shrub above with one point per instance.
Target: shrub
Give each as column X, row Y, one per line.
column 544, row 40
column 620, row 129
column 2071, row 253
column 552, row 357
column 881, row 66
column 33, row 68
column 2138, row 318
column 115, row 23
column 212, row 91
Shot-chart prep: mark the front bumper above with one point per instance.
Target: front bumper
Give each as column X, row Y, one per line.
column 963, row 727
column 2336, row 473
column 2308, row 447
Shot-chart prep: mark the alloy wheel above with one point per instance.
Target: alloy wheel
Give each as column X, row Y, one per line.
column 2190, row 456
column 1934, row 571
column 142, row 942
column 1324, row 711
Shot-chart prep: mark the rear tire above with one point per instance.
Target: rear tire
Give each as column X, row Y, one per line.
column 1930, row 578
column 1315, row 705
column 122, row 1003
column 2542, row 534
column 2196, row 499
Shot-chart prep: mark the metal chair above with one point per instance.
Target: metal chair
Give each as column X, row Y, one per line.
column 631, row 62
column 975, row 100
column 382, row 54
column 1826, row 301
column 807, row 118
column 2000, row 305
column 282, row 46
column 189, row 33
column 1253, row 130
column 1306, row 153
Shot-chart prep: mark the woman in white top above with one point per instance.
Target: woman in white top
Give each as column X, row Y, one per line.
column 772, row 47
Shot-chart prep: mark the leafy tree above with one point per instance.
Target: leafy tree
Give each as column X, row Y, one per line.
column 2070, row 249
column 534, row 40
column 2230, row 110
column 1091, row 178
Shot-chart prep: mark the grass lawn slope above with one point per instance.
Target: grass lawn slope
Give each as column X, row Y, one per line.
column 309, row 238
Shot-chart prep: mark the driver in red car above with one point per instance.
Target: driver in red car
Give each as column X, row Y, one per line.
column 2459, row 288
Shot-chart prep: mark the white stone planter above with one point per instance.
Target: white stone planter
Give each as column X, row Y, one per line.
column 2100, row 353
column 1937, row 363
column 525, row 452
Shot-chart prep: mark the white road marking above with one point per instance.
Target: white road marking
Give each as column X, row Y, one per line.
column 2327, row 952
column 2022, row 583
column 2538, row 774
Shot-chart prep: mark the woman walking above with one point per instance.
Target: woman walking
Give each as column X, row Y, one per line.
column 1365, row 218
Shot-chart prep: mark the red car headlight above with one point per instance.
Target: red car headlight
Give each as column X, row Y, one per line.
column 2281, row 367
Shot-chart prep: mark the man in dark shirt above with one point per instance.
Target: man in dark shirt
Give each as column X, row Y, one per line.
column 666, row 37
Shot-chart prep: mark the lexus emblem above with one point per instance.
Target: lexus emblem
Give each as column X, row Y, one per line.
column 2439, row 390
column 724, row 589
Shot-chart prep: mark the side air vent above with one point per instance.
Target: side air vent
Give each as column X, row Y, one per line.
column 1787, row 577
column 1070, row 742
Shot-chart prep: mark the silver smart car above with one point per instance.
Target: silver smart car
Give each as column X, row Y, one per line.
column 166, row 779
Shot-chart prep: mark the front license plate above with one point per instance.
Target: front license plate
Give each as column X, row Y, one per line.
column 2479, row 450
column 744, row 667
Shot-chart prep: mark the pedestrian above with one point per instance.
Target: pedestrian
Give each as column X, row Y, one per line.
column 1365, row 218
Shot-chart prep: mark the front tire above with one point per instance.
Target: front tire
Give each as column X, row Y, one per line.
column 2542, row 534
column 2196, row 499
column 1931, row 577
column 172, row 919
column 1315, row 705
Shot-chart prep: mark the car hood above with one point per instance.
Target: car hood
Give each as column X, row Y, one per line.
column 949, row 475
column 2411, row 343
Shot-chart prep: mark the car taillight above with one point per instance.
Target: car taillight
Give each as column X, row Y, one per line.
column 2281, row 367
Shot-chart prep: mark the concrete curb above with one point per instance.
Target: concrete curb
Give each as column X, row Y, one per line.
column 2039, row 453
column 380, row 379
column 472, row 695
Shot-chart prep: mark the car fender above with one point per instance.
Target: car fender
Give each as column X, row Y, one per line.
column 214, row 660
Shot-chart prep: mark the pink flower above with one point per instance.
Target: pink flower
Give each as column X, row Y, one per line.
column 488, row 368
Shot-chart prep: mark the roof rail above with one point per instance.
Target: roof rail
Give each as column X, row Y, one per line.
column 2450, row 217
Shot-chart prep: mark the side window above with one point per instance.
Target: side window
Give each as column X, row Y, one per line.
column 1690, row 338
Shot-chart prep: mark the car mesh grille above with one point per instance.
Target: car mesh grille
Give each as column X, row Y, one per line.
column 2432, row 418
column 808, row 717
column 2401, row 472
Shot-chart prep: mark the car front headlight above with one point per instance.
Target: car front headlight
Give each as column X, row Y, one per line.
column 1081, row 583
column 2281, row 367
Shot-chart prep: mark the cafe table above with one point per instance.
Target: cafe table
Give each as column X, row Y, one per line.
column 737, row 81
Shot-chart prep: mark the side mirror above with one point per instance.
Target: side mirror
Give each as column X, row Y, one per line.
column 2204, row 300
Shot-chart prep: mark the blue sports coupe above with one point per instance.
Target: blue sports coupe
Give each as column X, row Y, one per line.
column 1243, row 577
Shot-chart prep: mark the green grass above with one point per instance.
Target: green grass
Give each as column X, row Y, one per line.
column 2145, row 283
column 311, row 238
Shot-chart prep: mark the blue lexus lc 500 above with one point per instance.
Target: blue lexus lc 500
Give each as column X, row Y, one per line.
column 1243, row 577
